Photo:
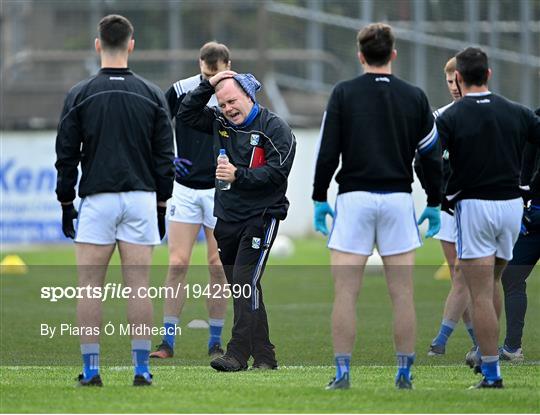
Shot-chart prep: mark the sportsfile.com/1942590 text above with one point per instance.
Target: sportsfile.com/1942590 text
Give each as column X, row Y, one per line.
column 118, row 291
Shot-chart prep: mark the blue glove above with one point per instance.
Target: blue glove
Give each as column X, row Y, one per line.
column 433, row 215
column 182, row 167
column 319, row 220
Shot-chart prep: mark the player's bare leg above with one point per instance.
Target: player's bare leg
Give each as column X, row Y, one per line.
column 456, row 306
column 136, row 262
column 398, row 270
column 500, row 266
column 348, row 272
column 457, row 302
column 216, row 303
column 92, row 262
column 473, row 358
column 481, row 275
column 182, row 237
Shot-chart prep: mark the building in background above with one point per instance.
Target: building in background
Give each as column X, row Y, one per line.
column 299, row 48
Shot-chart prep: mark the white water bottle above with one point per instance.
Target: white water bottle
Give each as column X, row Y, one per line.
column 222, row 159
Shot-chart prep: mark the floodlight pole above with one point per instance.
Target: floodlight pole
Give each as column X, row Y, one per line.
column 315, row 42
column 175, row 37
column 494, row 6
column 525, row 42
column 420, row 63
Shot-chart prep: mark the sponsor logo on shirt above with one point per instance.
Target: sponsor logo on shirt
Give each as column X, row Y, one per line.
column 382, row 79
column 254, row 139
column 256, row 243
column 223, row 133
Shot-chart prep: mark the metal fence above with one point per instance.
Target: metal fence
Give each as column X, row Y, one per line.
column 298, row 48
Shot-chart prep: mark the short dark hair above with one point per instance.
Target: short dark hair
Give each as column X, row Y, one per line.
column 115, row 32
column 376, row 42
column 212, row 52
column 472, row 64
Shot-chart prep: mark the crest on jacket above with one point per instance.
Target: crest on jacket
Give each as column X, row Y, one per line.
column 254, row 139
column 256, row 243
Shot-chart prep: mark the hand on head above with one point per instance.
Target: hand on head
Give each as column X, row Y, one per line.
column 220, row 76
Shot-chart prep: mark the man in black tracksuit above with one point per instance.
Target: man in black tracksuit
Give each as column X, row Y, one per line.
column 192, row 208
column 261, row 148
column 526, row 254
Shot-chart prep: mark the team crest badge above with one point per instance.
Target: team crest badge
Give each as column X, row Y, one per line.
column 445, row 155
column 256, row 243
column 223, row 133
column 254, row 140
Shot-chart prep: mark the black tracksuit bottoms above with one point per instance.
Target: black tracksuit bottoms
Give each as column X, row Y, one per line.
column 526, row 254
column 243, row 249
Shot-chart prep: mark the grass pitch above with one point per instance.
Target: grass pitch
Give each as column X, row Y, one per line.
column 290, row 389
column 36, row 373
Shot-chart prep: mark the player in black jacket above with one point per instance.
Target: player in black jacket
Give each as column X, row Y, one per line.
column 192, row 207
column 376, row 123
column 526, row 254
column 485, row 135
column 261, row 148
column 116, row 125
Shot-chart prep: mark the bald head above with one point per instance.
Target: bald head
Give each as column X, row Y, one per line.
column 227, row 83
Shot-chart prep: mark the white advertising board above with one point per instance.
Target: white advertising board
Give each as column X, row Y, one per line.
column 29, row 212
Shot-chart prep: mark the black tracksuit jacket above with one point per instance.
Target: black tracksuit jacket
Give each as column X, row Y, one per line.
column 485, row 136
column 256, row 191
column 530, row 170
column 375, row 123
column 116, row 124
column 446, row 167
column 191, row 144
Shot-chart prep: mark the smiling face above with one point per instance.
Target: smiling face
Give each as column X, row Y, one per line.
column 452, row 86
column 233, row 101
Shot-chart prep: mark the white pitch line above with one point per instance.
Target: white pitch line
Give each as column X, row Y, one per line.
column 120, row 368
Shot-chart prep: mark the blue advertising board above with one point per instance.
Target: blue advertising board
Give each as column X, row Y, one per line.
column 29, row 211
